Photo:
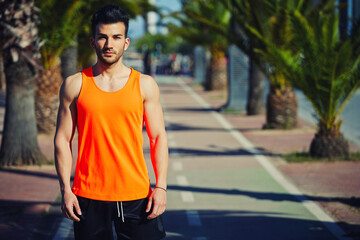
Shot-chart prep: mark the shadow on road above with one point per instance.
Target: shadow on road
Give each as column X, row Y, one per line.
column 31, row 173
column 200, row 152
column 221, row 152
column 246, row 225
column 272, row 196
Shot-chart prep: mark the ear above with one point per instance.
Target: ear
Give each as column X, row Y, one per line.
column 127, row 43
column 92, row 43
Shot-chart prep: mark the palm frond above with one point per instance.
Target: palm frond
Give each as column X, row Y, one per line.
column 203, row 23
column 325, row 70
column 351, row 83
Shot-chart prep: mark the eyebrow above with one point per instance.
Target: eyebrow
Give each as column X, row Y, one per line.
column 115, row 35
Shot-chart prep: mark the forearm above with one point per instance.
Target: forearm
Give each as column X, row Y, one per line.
column 160, row 159
column 63, row 163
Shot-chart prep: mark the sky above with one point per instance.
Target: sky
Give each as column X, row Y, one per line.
column 136, row 26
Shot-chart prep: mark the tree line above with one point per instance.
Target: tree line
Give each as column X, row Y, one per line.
column 298, row 44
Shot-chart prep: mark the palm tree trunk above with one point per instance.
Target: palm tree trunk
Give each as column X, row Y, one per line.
column 343, row 17
column 217, row 75
column 47, row 99
column 69, row 60
column 281, row 108
column 255, row 103
column 19, row 142
column 329, row 143
column 2, row 74
column 147, row 62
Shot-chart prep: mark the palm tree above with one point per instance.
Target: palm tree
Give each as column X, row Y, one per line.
column 57, row 29
column 326, row 70
column 2, row 74
column 18, row 29
column 198, row 33
column 242, row 12
column 268, row 18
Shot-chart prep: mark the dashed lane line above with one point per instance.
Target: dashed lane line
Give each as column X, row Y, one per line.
column 182, row 180
column 193, row 218
column 186, row 196
column 177, row 166
column 64, row 229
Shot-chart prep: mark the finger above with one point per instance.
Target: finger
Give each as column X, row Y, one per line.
column 64, row 212
column 71, row 214
column 155, row 211
column 151, row 216
column 148, row 208
column 77, row 207
column 161, row 209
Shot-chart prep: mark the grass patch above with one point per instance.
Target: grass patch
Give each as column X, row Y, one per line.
column 47, row 162
column 218, row 97
column 299, row 157
column 231, row 111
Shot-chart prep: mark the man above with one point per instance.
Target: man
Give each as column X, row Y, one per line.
column 109, row 103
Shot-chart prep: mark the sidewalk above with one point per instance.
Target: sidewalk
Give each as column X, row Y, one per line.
column 213, row 181
column 27, row 193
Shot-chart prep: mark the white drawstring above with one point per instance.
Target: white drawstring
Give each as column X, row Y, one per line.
column 122, row 211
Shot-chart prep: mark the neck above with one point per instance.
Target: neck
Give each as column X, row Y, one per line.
column 109, row 70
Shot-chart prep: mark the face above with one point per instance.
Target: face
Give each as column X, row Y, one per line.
column 110, row 42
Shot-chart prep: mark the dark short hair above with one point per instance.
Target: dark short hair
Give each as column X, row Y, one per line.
column 110, row 14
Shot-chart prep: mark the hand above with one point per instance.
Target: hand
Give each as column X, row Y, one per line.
column 68, row 202
column 157, row 201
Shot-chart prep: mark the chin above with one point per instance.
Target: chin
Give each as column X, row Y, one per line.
column 108, row 61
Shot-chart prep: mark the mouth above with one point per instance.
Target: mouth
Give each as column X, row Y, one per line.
column 108, row 53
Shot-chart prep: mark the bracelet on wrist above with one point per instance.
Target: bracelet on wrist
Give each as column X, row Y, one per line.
column 161, row 188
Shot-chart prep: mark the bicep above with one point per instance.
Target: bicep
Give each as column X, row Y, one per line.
column 153, row 114
column 66, row 121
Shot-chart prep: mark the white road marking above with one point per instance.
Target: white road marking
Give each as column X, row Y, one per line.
column 170, row 136
column 64, row 229
column 317, row 211
column 172, row 143
column 182, row 180
column 186, row 196
column 177, row 166
column 193, row 218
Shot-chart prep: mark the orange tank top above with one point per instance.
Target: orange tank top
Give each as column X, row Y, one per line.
column 110, row 164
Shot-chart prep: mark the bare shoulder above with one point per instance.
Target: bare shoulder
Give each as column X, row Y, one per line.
column 71, row 86
column 149, row 87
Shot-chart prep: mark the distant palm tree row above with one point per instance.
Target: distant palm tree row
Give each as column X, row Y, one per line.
column 295, row 44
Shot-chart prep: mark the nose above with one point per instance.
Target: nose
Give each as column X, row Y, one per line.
column 108, row 43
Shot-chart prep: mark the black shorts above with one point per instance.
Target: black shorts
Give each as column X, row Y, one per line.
column 129, row 219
